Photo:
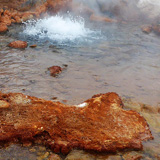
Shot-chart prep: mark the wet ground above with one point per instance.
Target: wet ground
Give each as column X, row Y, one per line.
column 122, row 59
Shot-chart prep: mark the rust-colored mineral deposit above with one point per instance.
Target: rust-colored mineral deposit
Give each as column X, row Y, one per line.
column 3, row 28
column 99, row 124
column 18, row 44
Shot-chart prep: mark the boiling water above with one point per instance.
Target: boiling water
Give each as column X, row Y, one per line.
column 60, row 29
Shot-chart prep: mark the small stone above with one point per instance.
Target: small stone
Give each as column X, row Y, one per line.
column 6, row 20
column 42, row 148
column 54, row 70
column 96, row 18
column 65, row 65
column 13, row 20
column 33, row 46
column 18, row 44
column 32, row 150
column 44, row 156
column 3, row 28
column 79, row 155
column 27, row 144
column 18, row 19
column 7, row 12
column 146, row 29
column 64, row 101
column 54, row 98
column 27, row 16
column 54, row 157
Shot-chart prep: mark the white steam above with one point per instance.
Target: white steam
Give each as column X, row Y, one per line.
column 125, row 9
column 150, row 7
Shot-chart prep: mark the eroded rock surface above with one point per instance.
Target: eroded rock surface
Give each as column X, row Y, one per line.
column 99, row 124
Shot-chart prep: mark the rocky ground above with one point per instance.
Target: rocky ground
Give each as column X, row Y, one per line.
column 150, row 152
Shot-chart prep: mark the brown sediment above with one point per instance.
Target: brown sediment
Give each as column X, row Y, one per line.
column 99, row 124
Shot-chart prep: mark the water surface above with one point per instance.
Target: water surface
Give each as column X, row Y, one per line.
column 112, row 57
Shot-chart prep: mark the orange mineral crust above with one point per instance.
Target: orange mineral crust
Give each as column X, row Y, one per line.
column 18, row 44
column 99, row 124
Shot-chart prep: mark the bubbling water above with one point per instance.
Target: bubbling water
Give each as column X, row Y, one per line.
column 60, row 29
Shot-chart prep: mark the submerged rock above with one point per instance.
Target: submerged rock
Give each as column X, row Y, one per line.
column 55, row 70
column 33, row 46
column 80, row 155
column 146, row 29
column 62, row 127
column 54, row 157
column 17, row 11
column 156, row 29
column 3, row 28
column 96, row 18
column 18, row 44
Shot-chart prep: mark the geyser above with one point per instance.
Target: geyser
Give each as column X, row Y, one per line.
column 60, row 29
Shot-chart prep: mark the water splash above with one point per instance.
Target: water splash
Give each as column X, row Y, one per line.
column 60, row 29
